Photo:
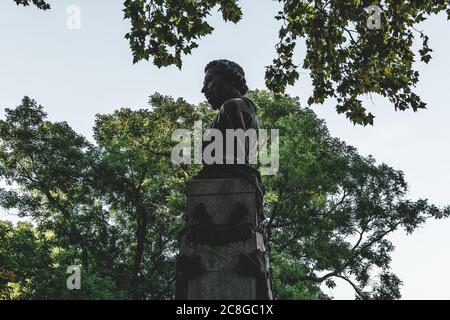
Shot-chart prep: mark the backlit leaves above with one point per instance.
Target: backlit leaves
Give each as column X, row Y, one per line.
column 346, row 60
column 41, row 4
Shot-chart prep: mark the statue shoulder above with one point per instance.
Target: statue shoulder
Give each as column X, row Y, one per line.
column 238, row 104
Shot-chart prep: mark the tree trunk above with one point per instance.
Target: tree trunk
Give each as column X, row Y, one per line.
column 141, row 230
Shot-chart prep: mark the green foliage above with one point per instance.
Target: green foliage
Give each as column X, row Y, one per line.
column 138, row 182
column 115, row 207
column 48, row 171
column 34, row 267
column 329, row 209
column 164, row 30
column 288, row 280
column 346, row 60
column 41, row 4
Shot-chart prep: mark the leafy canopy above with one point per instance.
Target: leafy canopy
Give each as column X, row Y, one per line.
column 346, row 60
column 114, row 206
column 41, row 4
column 329, row 209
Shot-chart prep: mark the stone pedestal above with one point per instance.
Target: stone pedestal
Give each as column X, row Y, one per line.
column 223, row 252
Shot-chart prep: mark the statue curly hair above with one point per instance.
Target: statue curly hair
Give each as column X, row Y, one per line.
column 232, row 72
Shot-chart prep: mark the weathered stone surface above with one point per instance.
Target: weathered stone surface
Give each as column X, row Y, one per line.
column 220, row 197
column 219, row 186
column 221, row 258
column 223, row 285
column 223, row 241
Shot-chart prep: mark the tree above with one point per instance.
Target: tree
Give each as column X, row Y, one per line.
column 107, row 204
column 345, row 59
column 52, row 164
column 48, row 171
column 330, row 209
column 115, row 206
column 137, row 177
column 34, row 267
column 41, row 4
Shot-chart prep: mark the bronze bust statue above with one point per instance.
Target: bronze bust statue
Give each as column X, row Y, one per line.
column 225, row 87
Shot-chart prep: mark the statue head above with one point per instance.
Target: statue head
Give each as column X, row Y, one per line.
column 224, row 80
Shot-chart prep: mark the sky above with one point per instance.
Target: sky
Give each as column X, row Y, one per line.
column 77, row 73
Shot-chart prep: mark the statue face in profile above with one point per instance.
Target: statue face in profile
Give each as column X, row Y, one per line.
column 224, row 80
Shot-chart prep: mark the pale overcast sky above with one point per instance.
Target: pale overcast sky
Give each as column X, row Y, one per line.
column 75, row 74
